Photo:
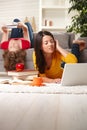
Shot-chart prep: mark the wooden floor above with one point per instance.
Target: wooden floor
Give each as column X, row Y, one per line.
column 25, row 111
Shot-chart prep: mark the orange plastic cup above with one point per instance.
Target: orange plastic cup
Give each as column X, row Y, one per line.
column 37, row 81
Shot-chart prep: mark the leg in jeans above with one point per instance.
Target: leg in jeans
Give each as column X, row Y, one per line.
column 75, row 50
column 77, row 47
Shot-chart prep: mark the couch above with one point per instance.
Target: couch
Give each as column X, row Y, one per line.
column 65, row 40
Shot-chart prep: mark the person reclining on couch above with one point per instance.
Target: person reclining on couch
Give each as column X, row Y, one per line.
column 14, row 48
column 48, row 55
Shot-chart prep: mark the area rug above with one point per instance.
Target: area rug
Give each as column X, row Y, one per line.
column 47, row 88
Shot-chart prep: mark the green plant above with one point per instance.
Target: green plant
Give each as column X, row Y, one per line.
column 78, row 21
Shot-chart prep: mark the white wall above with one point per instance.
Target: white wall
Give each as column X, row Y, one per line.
column 11, row 9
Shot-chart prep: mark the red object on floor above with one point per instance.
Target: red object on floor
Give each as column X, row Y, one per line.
column 19, row 67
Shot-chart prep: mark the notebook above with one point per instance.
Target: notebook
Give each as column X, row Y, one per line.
column 74, row 74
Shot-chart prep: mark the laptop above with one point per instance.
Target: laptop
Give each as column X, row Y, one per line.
column 74, row 74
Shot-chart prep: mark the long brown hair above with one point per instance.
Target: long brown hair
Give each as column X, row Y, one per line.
column 12, row 58
column 40, row 60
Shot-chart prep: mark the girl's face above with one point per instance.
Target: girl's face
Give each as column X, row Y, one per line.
column 48, row 44
column 14, row 45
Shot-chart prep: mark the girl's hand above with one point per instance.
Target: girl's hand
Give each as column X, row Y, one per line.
column 4, row 29
column 58, row 80
column 57, row 45
column 22, row 25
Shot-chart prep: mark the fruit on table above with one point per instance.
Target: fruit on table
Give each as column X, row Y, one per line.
column 19, row 66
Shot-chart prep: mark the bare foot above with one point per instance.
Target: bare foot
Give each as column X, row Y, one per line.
column 82, row 44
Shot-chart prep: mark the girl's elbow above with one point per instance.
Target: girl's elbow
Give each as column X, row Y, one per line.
column 75, row 60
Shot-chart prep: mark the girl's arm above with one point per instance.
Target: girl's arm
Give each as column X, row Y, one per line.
column 66, row 56
column 60, row 49
column 49, row 80
column 25, row 30
column 4, row 34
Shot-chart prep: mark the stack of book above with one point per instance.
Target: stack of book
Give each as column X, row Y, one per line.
column 24, row 75
column 15, row 77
